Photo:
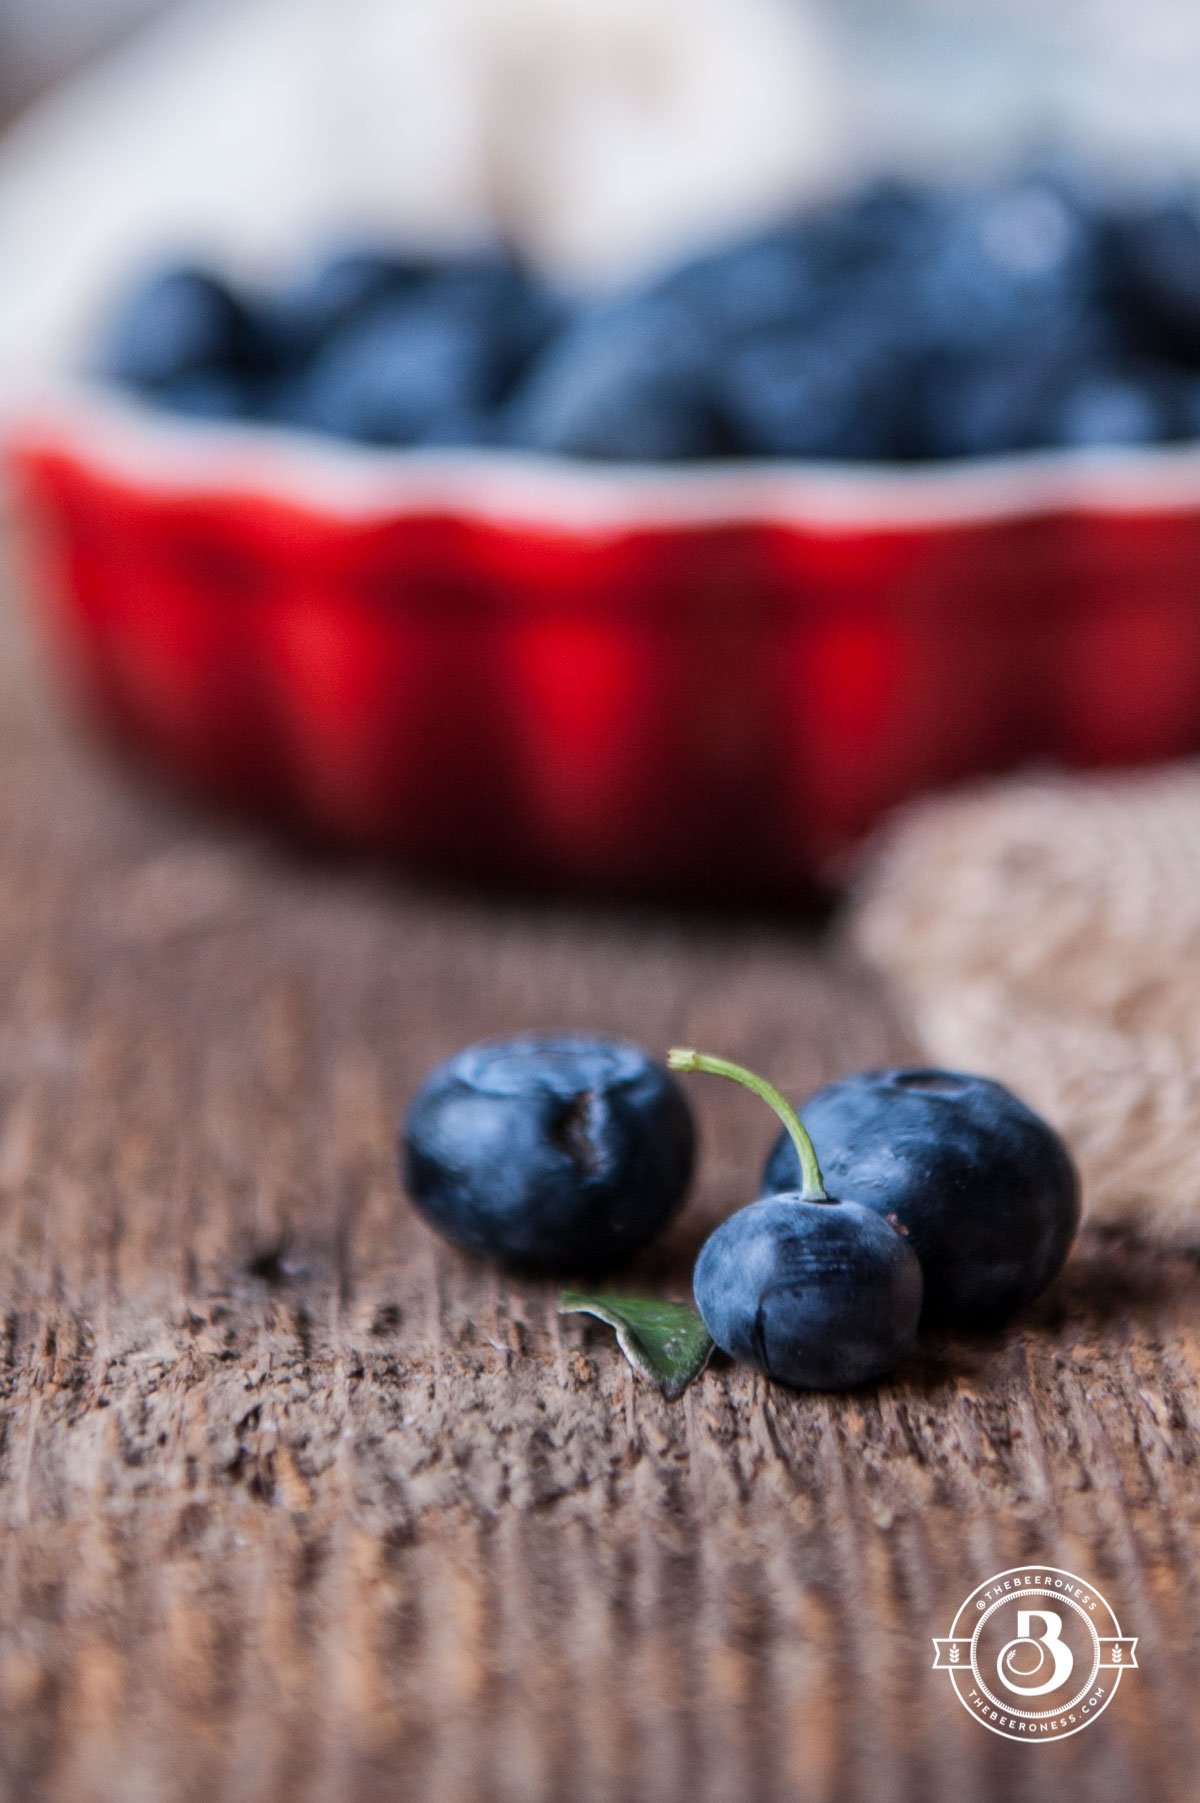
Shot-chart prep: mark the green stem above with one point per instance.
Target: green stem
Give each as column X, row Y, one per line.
column 812, row 1184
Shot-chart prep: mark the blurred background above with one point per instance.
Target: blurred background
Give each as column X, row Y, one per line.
column 290, row 183
column 43, row 40
column 607, row 133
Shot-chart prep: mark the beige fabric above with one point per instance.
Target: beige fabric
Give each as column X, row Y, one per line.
column 1047, row 932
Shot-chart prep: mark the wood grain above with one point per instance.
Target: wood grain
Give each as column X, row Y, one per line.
column 298, row 1505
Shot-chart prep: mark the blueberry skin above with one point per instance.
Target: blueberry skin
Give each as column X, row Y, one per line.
column 1034, row 401
column 313, row 309
column 1154, row 272
column 561, row 1154
column 1115, row 407
column 211, row 395
column 840, row 392
column 488, row 290
column 397, row 376
column 1022, row 260
column 985, row 1188
column 770, row 281
column 820, row 1295
column 992, row 405
column 889, row 220
column 179, row 326
column 626, row 382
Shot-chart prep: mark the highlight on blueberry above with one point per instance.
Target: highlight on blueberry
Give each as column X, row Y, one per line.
column 817, row 1292
column 985, row 1188
column 560, row 1153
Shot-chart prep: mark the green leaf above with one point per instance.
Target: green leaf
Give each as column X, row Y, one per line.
column 664, row 1341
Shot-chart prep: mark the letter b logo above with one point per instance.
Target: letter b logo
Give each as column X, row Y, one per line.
column 1035, row 1654
column 1032, row 1665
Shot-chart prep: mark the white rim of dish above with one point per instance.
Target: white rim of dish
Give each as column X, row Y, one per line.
column 132, row 441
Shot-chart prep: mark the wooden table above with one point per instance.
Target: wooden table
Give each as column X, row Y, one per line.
column 299, row 1505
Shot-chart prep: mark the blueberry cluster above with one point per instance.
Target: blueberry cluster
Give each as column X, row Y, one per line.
column 903, row 323
column 953, row 1201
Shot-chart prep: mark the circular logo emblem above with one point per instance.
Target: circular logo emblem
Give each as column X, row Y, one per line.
column 1035, row 1654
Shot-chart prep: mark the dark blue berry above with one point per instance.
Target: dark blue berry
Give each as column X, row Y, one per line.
column 823, row 1295
column 1112, row 407
column 1016, row 262
column 496, row 296
column 819, row 1293
column 178, row 328
column 214, row 395
column 468, row 429
column 398, row 376
column 985, row 1188
column 769, row 282
column 489, row 283
column 889, row 220
column 1155, row 275
column 627, row 382
column 1185, row 406
column 838, row 393
column 562, row 1154
column 1011, row 399
column 316, row 307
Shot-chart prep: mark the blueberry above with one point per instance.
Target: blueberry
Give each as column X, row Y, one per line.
column 1013, row 398
column 881, row 234
column 839, row 393
column 208, row 395
column 1186, row 408
column 1021, row 261
column 334, row 295
column 490, row 281
column 771, row 281
column 179, row 326
column 628, row 382
column 818, row 1293
column 467, row 429
column 564, row 1154
column 491, row 293
column 396, row 377
column 1113, row 407
column 985, row 1188
column 821, row 1295
column 1154, row 257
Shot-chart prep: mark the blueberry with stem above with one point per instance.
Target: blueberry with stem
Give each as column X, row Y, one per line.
column 816, row 1292
column 985, row 1188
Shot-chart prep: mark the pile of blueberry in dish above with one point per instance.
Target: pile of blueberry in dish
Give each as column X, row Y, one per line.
column 892, row 1199
column 901, row 324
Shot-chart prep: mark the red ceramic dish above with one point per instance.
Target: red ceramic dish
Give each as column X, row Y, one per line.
column 712, row 677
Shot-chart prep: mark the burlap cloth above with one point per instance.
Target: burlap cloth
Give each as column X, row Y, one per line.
column 1046, row 931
